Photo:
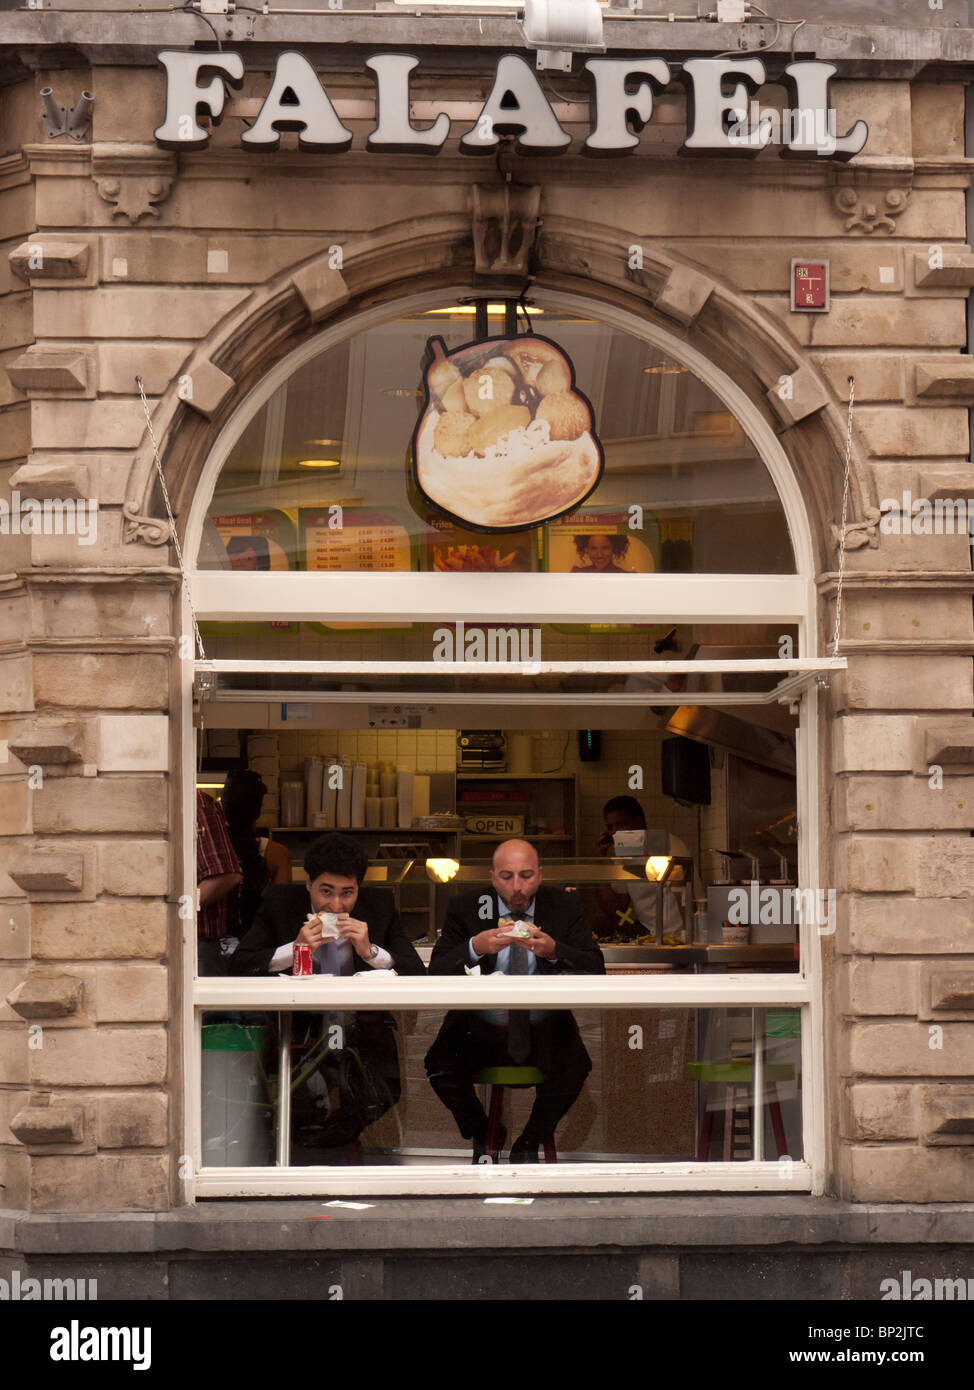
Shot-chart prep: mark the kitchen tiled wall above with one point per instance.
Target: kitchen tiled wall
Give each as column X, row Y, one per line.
column 435, row 751
column 417, row 750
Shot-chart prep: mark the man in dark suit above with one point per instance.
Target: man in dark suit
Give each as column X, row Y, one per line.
column 367, row 1064
column 555, row 941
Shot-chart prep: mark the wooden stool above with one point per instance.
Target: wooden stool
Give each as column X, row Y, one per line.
column 495, row 1079
column 737, row 1078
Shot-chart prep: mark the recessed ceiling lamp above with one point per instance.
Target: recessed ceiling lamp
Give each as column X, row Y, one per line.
column 323, row 446
column 493, row 310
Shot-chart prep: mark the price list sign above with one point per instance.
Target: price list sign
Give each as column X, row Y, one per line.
column 365, row 540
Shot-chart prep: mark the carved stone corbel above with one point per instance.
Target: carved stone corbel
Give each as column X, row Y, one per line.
column 134, row 198
column 133, row 178
column 150, row 530
column 506, row 218
column 859, row 533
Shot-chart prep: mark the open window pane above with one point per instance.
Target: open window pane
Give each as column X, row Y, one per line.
column 399, row 1087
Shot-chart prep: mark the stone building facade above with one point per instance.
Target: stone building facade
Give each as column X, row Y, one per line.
column 124, row 259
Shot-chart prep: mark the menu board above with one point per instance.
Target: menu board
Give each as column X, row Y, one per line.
column 369, row 539
column 257, row 540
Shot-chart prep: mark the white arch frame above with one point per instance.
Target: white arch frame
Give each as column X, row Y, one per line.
column 221, row 596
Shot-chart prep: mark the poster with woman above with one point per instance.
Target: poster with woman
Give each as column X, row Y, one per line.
column 600, row 540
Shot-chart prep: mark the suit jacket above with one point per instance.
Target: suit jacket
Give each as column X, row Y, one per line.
column 556, row 912
column 282, row 913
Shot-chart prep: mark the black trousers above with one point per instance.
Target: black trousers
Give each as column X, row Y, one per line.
column 466, row 1043
column 365, row 1070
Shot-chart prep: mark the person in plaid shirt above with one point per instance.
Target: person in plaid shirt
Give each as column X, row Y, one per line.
column 217, row 874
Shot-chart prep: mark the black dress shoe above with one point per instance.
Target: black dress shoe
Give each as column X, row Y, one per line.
column 524, row 1150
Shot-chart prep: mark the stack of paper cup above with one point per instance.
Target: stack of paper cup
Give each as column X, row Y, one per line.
column 404, row 788
column 358, row 796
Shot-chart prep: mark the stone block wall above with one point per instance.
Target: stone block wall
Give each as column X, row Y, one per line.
column 121, row 259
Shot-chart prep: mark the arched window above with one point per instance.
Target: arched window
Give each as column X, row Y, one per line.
column 671, row 610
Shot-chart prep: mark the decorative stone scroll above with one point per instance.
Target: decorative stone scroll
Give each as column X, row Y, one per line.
column 871, row 212
column 150, row 530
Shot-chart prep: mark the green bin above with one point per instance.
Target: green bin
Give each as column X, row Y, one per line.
column 237, row 1113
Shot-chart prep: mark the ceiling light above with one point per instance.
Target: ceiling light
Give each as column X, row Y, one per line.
column 665, row 369
column 493, row 310
column 319, row 463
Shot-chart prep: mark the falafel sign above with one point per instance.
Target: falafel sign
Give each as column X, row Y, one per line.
column 505, row 439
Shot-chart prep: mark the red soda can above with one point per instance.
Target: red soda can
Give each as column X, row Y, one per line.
column 301, row 965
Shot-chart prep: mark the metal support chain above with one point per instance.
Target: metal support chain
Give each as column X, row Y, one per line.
column 845, row 513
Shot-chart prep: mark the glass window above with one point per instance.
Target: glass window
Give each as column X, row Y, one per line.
column 422, row 1086
column 318, row 478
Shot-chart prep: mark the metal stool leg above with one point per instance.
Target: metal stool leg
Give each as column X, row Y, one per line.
column 728, row 1123
column 777, row 1125
column 706, row 1128
column 494, row 1127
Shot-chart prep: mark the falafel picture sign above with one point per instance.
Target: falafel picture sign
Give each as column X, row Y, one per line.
column 505, row 440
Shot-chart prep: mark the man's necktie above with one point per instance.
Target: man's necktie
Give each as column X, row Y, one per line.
column 326, row 959
column 519, row 1023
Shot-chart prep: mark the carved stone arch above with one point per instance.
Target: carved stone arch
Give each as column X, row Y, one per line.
column 431, row 255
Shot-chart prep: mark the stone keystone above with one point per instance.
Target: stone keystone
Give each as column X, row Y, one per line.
column 53, row 478
column 949, row 745
column 797, row 395
column 63, row 743
column 53, row 1124
column 951, row 379
column 321, row 288
column 947, row 1115
column 51, row 369
column 953, row 990
column 684, row 294
column 51, row 873
column 50, row 260
column 210, row 388
column 957, row 271
column 46, row 995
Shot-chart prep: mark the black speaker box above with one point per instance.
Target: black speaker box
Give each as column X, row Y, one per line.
column 686, row 771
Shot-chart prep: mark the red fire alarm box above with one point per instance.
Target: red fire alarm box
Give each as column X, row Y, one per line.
column 810, row 287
